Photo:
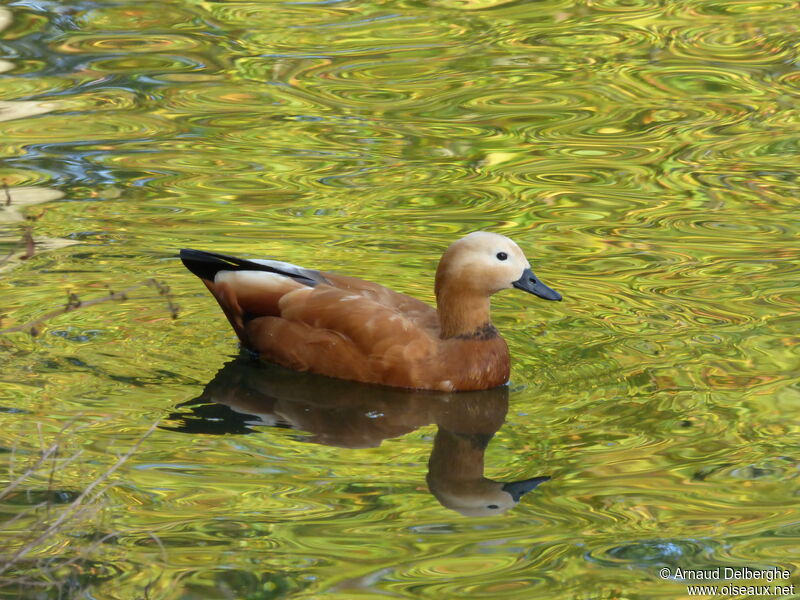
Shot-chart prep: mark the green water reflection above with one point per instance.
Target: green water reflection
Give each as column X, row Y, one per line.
column 643, row 154
column 349, row 415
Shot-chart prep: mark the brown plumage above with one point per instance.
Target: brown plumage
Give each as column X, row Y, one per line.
column 354, row 329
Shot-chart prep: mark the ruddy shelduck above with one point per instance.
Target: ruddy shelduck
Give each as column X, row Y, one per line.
column 353, row 329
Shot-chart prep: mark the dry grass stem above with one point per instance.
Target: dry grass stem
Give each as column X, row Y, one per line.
column 74, row 303
column 80, row 507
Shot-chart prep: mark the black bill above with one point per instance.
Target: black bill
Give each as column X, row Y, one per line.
column 517, row 488
column 530, row 283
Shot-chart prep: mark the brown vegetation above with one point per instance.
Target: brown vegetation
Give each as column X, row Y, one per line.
column 24, row 560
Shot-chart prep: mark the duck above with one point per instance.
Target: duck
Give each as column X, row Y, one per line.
column 358, row 330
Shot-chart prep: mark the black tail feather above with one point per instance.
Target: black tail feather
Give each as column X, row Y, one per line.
column 206, row 265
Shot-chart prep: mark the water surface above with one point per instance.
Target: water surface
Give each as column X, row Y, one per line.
column 645, row 155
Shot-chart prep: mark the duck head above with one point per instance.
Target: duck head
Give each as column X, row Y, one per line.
column 471, row 270
column 489, row 262
column 482, row 497
column 456, row 474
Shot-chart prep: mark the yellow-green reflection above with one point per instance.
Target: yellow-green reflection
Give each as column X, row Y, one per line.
column 644, row 153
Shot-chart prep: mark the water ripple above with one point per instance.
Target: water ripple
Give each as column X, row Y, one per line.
column 644, row 155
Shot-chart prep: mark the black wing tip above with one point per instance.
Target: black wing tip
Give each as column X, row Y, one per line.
column 189, row 254
column 202, row 254
column 205, row 265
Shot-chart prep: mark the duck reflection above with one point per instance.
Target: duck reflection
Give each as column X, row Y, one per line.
column 245, row 394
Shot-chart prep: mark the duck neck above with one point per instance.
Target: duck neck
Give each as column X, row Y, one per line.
column 458, row 456
column 462, row 314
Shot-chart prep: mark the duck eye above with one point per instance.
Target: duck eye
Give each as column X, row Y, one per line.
column 493, row 506
column 502, row 256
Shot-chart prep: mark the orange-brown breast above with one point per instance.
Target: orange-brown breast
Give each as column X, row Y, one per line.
column 477, row 364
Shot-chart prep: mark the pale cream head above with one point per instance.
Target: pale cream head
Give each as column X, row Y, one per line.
column 484, row 498
column 482, row 262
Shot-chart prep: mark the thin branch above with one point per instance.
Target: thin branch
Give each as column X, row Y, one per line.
column 160, row 544
column 50, row 484
column 44, row 454
column 30, row 246
column 76, row 508
column 20, row 244
column 164, row 290
column 43, row 457
column 26, row 241
column 74, row 303
column 25, row 513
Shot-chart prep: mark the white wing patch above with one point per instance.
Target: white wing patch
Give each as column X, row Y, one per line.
column 259, row 278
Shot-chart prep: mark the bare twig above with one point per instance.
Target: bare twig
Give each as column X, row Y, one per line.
column 40, row 435
column 30, row 247
column 74, row 303
column 27, row 242
column 8, row 193
column 160, row 544
column 25, row 513
column 165, row 291
column 43, row 457
column 50, row 484
column 13, row 251
column 77, row 507
column 28, row 472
